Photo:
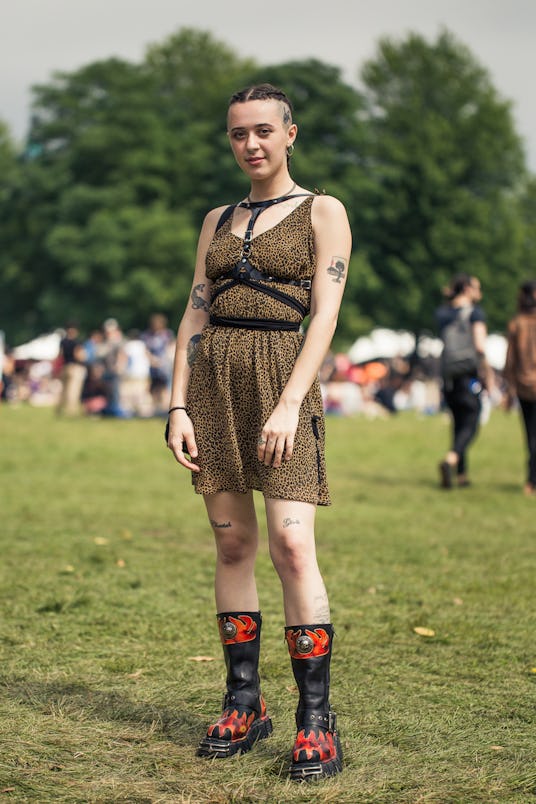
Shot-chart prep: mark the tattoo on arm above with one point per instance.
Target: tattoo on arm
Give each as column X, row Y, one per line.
column 337, row 269
column 198, row 302
column 191, row 349
column 220, row 524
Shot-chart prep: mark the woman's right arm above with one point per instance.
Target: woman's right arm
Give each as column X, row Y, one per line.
column 194, row 320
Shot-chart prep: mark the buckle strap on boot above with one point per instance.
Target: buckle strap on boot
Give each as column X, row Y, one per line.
column 312, row 717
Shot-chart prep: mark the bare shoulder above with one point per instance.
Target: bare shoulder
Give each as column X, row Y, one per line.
column 327, row 207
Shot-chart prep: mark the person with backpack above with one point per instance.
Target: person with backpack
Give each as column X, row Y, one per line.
column 465, row 374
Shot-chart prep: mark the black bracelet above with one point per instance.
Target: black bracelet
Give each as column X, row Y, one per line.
column 178, row 407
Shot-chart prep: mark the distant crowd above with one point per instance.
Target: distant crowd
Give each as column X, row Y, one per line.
column 109, row 373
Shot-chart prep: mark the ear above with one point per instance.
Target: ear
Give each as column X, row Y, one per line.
column 292, row 133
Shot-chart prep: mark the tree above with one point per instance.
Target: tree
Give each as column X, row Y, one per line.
column 444, row 163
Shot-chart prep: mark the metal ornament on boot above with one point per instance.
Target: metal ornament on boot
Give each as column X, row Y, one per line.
column 243, row 720
column 317, row 752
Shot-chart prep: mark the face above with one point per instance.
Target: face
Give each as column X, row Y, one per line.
column 259, row 136
column 475, row 290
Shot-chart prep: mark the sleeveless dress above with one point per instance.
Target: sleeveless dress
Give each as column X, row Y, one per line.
column 239, row 373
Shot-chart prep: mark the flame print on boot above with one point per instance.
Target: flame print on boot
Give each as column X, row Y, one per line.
column 243, row 720
column 317, row 751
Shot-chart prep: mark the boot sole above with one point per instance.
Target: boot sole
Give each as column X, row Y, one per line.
column 311, row 771
column 221, row 749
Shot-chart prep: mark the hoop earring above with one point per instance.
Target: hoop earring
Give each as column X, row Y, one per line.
column 290, row 149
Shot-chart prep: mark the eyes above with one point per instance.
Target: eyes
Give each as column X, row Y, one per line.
column 239, row 134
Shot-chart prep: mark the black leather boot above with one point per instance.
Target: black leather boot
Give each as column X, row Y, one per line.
column 243, row 720
column 317, row 751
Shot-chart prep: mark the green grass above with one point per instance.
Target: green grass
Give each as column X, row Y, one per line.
column 106, row 595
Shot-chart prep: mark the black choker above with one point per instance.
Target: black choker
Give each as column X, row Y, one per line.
column 249, row 204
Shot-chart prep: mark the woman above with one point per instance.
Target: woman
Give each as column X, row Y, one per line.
column 520, row 371
column 465, row 372
column 246, row 413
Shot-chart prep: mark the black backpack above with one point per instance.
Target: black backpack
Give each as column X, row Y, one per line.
column 459, row 354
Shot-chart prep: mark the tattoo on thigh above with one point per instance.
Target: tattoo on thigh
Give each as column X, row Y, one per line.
column 288, row 521
column 321, row 608
column 220, row 524
column 337, row 269
column 191, row 349
column 198, row 302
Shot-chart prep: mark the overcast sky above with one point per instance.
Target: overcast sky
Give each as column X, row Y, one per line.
column 41, row 36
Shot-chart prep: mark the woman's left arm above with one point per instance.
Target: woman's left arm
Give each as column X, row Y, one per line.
column 333, row 244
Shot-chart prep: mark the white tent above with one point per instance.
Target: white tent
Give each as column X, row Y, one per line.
column 381, row 343
column 46, row 347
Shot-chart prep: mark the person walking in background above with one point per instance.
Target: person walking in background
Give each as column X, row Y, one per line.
column 465, row 373
column 246, row 413
column 520, row 372
column 73, row 371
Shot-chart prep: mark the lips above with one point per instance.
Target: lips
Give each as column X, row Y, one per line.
column 256, row 160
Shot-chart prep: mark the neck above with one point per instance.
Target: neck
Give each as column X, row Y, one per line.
column 263, row 192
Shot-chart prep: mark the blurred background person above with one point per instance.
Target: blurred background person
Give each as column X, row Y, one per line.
column 464, row 371
column 135, row 397
column 73, row 371
column 520, row 372
column 112, row 353
column 160, row 343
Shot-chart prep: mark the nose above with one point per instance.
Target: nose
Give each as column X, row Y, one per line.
column 251, row 142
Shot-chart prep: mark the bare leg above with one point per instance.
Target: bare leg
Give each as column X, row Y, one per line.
column 234, row 523
column 293, row 552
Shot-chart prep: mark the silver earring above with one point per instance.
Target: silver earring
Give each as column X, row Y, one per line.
column 290, row 149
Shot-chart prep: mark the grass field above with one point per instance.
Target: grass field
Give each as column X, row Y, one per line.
column 106, row 600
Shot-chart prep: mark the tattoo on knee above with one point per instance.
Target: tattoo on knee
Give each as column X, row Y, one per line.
column 220, row 524
column 288, row 521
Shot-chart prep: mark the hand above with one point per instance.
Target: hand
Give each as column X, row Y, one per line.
column 276, row 440
column 181, row 439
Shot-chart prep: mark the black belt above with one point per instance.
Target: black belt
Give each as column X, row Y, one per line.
column 256, row 323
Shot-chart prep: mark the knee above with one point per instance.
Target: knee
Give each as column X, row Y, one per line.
column 235, row 545
column 292, row 556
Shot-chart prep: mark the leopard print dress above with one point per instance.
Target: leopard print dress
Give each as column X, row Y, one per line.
column 238, row 373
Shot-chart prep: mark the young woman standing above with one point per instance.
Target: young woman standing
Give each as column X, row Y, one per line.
column 246, row 413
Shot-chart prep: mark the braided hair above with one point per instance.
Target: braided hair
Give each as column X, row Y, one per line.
column 264, row 92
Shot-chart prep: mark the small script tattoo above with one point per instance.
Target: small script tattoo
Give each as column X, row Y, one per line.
column 337, row 269
column 289, row 521
column 191, row 349
column 220, row 524
column 198, row 302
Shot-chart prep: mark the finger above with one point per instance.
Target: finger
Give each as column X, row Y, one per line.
column 181, row 458
column 278, row 453
column 269, row 451
column 261, row 447
column 289, row 447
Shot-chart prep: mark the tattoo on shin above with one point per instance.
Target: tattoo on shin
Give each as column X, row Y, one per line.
column 321, row 608
column 220, row 524
column 191, row 349
column 198, row 302
column 337, row 269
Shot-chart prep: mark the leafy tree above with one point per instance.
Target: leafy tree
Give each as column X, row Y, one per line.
column 444, row 163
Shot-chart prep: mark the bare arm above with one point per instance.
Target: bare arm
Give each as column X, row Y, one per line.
column 480, row 333
column 333, row 242
column 195, row 318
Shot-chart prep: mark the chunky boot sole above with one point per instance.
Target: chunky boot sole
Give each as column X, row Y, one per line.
column 311, row 771
column 221, row 749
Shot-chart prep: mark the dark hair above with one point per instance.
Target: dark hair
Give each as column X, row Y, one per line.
column 457, row 285
column 526, row 300
column 263, row 92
